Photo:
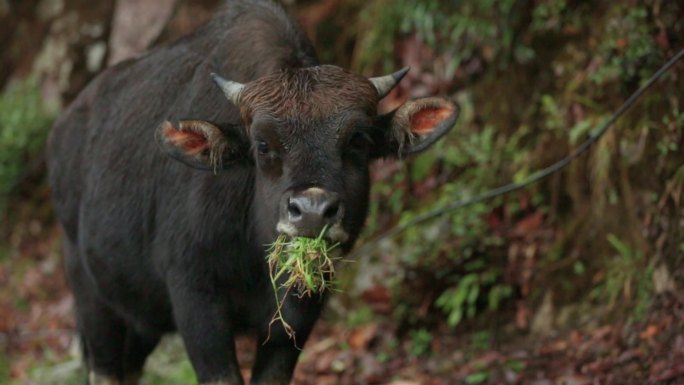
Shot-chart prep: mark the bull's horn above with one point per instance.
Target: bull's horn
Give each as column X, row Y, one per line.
column 384, row 84
column 230, row 89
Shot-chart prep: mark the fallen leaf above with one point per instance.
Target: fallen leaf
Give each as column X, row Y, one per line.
column 573, row 379
column 650, row 332
column 378, row 298
column 529, row 223
column 403, row 382
column 360, row 337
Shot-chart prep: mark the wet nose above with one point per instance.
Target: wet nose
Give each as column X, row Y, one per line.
column 312, row 209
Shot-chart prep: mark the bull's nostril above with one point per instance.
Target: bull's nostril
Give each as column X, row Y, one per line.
column 294, row 210
column 331, row 211
column 311, row 210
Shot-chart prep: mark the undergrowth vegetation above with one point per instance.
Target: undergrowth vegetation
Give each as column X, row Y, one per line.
column 534, row 79
column 24, row 124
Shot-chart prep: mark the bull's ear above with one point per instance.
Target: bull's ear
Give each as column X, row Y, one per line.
column 201, row 145
column 415, row 126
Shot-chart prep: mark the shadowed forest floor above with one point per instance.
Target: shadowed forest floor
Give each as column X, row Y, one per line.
column 650, row 351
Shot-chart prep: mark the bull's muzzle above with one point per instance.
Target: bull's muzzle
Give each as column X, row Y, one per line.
column 306, row 213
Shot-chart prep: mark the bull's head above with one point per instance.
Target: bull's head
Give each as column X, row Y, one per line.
column 310, row 133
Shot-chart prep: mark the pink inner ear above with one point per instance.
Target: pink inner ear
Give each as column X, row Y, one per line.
column 189, row 142
column 426, row 119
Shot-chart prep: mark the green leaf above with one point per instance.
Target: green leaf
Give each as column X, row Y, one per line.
column 477, row 378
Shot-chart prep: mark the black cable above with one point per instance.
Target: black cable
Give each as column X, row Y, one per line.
column 537, row 175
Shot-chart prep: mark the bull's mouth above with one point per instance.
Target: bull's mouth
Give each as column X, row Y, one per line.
column 333, row 234
column 305, row 265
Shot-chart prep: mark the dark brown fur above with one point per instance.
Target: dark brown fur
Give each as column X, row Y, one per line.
column 308, row 94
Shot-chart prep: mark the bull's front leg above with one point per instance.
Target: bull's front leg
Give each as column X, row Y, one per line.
column 202, row 321
column 277, row 353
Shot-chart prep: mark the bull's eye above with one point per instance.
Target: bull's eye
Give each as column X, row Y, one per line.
column 360, row 141
column 262, row 148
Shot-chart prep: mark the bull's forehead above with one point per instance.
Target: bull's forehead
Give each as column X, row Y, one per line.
column 308, row 95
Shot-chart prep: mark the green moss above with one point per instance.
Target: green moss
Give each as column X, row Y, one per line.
column 4, row 369
column 23, row 130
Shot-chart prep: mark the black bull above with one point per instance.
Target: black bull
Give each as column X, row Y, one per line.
column 167, row 192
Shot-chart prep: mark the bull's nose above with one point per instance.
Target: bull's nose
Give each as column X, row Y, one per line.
column 303, row 209
column 313, row 209
column 309, row 211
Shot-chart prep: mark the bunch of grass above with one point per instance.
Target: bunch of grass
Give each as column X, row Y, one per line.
column 308, row 264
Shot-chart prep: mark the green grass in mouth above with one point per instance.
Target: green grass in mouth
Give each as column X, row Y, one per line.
column 308, row 265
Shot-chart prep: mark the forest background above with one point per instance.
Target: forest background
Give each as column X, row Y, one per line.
column 574, row 280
